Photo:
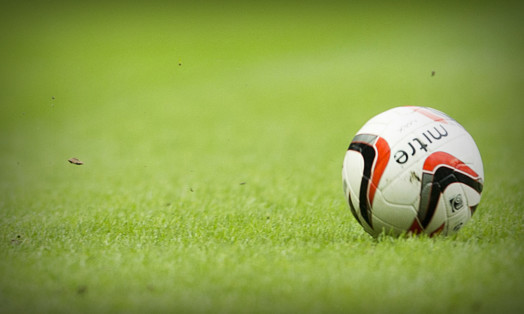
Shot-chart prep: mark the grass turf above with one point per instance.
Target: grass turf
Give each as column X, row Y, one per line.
column 213, row 139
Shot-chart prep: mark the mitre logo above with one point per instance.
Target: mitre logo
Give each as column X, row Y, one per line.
column 456, row 202
column 419, row 143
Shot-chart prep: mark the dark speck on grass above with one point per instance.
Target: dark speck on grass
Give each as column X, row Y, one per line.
column 53, row 97
column 17, row 240
column 81, row 289
column 151, row 287
column 476, row 306
column 243, row 183
column 432, row 73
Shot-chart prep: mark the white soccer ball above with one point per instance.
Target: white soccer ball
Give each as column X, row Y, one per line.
column 412, row 170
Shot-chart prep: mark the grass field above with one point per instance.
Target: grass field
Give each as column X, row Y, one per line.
column 212, row 139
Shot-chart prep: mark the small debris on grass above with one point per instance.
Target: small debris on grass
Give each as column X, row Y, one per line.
column 53, row 97
column 243, row 183
column 81, row 289
column 191, row 190
column 17, row 240
column 75, row 161
column 432, row 73
column 151, row 287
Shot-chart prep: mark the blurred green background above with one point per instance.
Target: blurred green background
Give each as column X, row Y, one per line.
column 125, row 84
column 208, row 110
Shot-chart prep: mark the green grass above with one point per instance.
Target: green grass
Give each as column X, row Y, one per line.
column 213, row 138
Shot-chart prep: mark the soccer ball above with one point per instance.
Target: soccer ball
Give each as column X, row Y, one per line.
column 412, row 170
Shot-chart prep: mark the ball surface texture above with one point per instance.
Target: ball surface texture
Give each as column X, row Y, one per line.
column 412, row 170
